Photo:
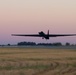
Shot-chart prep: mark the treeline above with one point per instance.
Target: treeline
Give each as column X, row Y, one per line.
column 26, row 43
column 43, row 44
column 40, row 44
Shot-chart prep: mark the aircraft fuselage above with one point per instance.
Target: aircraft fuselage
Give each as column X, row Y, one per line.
column 43, row 35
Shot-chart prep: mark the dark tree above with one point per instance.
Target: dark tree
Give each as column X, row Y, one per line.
column 67, row 44
column 8, row 44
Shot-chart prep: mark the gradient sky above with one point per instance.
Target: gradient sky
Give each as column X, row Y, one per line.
column 32, row 16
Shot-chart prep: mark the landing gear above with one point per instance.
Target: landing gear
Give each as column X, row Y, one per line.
column 42, row 37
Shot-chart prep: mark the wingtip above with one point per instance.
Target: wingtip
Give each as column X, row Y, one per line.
column 12, row 34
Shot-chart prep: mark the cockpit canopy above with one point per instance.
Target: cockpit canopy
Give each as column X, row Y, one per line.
column 41, row 33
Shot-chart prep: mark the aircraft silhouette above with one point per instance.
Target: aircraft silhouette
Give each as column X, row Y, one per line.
column 43, row 35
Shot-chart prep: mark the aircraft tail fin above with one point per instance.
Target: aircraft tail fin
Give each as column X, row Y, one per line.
column 48, row 32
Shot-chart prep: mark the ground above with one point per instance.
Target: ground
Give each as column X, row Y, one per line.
column 37, row 61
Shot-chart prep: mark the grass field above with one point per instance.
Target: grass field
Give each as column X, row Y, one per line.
column 37, row 61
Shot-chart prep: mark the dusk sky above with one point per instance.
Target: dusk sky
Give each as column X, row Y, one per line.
column 33, row 16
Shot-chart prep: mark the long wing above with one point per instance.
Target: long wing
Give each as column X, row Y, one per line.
column 59, row 35
column 31, row 35
column 50, row 35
